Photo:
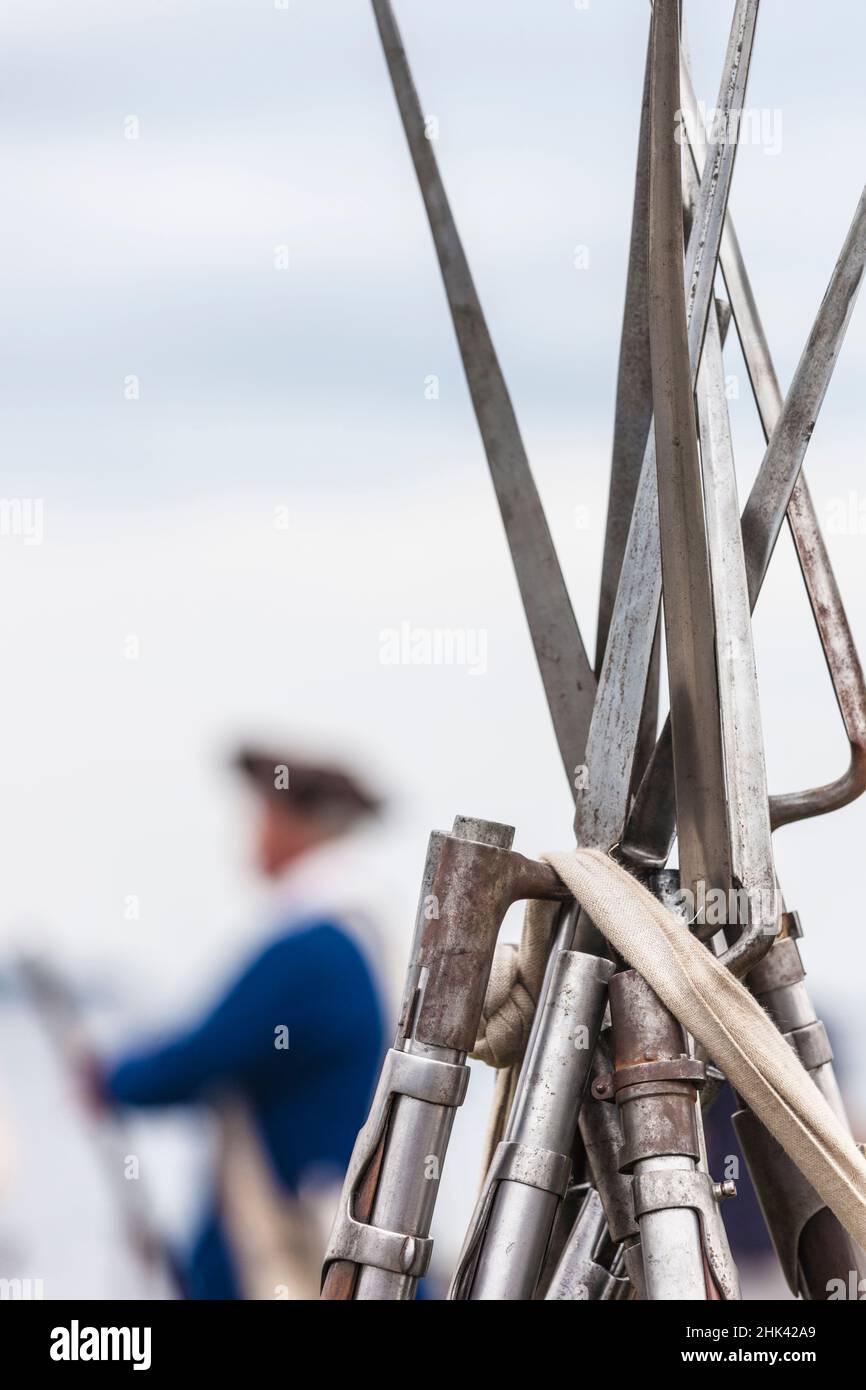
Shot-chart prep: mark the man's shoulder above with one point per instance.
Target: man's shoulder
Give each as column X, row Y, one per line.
column 315, row 940
column 318, row 962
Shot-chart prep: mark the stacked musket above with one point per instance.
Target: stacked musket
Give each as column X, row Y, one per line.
column 598, row 1187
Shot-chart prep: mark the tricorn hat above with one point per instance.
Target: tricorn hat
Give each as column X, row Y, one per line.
column 319, row 790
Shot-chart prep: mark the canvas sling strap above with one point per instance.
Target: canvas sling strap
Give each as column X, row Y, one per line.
column 516, row 977
column 720, row 1014
column 276, row 1241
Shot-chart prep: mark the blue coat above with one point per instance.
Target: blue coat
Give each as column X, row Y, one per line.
column 308, row 1100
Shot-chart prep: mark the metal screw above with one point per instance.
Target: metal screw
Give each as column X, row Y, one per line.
column 723, row 1190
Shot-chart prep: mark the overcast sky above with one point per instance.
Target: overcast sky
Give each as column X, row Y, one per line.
column 282, row 490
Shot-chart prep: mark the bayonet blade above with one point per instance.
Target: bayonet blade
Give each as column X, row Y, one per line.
column 652, row 826
column 602, row 804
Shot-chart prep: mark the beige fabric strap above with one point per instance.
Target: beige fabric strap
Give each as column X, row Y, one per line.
column 722, row 1015
column 513, row 989
column 509, row 1007
column 277, row 1242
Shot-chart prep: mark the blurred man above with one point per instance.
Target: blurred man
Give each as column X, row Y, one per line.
column 288, row 1055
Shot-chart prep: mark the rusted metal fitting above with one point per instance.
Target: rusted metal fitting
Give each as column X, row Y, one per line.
column 811, row 1045
column 474, row 877
column 602, row 1139
column 602, row 1087
column 780, row 968
column 790, row 926
column 647, row 1078
column 655, row 1080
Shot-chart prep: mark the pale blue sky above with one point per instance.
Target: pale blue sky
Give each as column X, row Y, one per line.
column 262, row 127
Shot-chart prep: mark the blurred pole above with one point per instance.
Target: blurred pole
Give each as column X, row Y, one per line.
column 62, row 1019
